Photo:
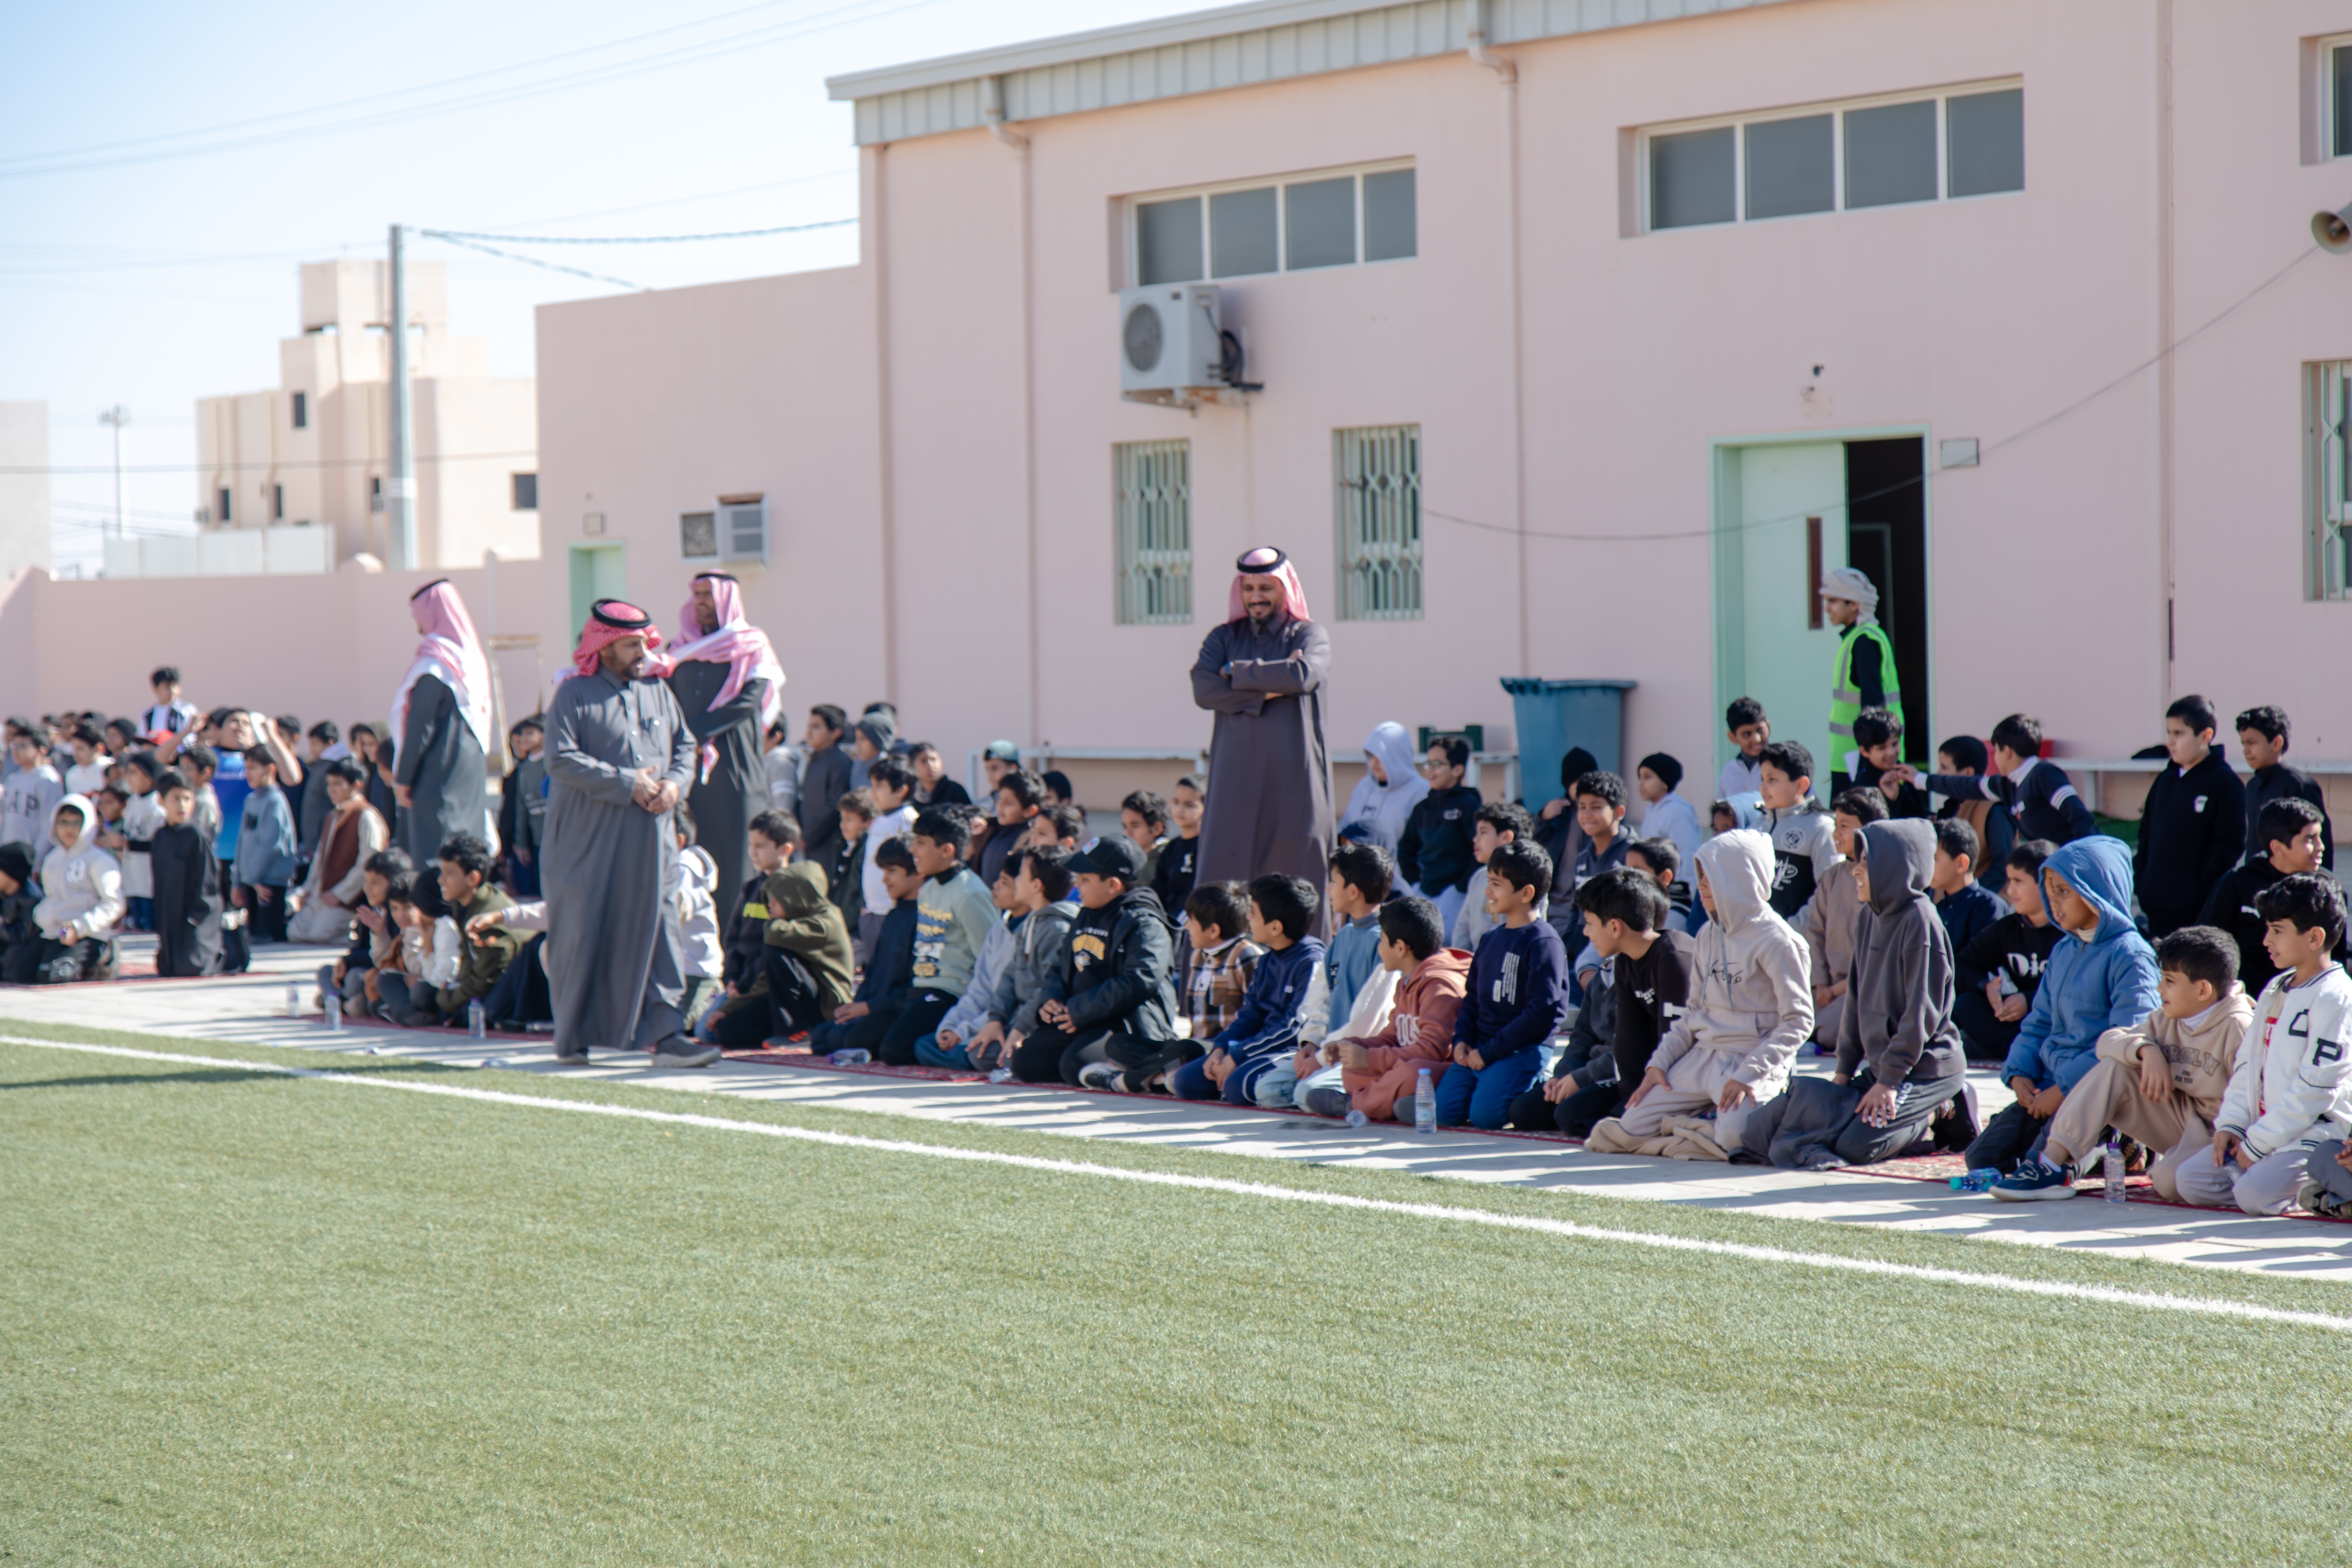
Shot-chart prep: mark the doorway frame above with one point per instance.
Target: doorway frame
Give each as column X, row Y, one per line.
column 1728, row 625
column 571, row 561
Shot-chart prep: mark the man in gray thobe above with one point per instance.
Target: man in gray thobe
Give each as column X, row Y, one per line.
column 1261, row 673
column 618, row 756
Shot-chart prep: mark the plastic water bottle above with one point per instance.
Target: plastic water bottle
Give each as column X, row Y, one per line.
column 2112, row 1169
column 1424, row 1103
column 477, row 1021
column 853, row 1057
column 999, row 1075
column 1979, row 1180
column 334, row 1012
column 293, row 1000
column 1357, row 1118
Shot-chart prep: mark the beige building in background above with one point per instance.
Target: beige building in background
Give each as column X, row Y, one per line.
column 24, row 487
column 314, row 452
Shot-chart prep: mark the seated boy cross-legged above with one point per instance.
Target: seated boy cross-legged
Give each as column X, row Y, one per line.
column 2289, row 1098
column 1264, row 1033
column 1517, row 995
column 1626, row 922
column 1379, row 1073
column 1751, row 1007
column 2160, row 1082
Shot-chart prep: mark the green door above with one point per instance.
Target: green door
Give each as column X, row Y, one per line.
column 1779, row 522
column 598, row 571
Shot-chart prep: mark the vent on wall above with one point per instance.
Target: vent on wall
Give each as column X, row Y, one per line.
column 736, row 532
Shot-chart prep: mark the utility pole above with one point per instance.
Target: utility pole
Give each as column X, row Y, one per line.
column 117, row 417
column 400, row 488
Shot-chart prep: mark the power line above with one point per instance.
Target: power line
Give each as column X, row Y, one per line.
column 288, row 465
column 529, row 260
column 2011, row 440
column 280, row 117
column 460, row 237
column 686, row 201
column 591, row 76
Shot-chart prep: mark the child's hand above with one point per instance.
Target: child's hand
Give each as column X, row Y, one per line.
column 1352, row 1055
column 2227, row 1145
column 1824, row 995
column 1053, row 1012
column 949, row 1039
column 262, row 893
column 1308, row 1062
column 1652, row 1078
column 1558, row 1089
column 1877, row 1106
column 2155, row 1074
column 1736, row 1094
column 2009, row 1009
column 1470, row 1058
column 2344, row 1156
column 2046, row 1103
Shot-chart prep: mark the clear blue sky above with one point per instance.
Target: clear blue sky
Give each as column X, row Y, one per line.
column 137, row 276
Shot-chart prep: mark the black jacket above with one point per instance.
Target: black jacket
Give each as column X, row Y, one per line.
column 2230, row 907
column 2192, row 830
column 822, row 784
column 747, row 939
column 1171, row 882
column 1436, row 851
column 2282, row 781
column 1116, row 972
column 1652, row 990
column 2012, row 945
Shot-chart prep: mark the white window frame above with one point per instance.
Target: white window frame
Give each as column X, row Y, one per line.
column 2324, row 51
column 2327, row 480
column 1128, row 566
column 1837, row 110
column 1412, row 558
column 1132, row 204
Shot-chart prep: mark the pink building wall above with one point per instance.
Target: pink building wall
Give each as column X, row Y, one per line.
column 1957, row 319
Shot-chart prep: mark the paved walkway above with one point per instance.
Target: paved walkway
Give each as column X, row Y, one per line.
column 250, row 1010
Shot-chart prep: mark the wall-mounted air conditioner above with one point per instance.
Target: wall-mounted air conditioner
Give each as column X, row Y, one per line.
column 734, row 532
column 1173, row 346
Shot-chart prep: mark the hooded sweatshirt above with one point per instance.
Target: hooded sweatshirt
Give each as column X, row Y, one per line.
column 28, row 805
column 1420, row 1034
column 953, row 916
column 1750, row 992
column 2088, row 986
column 803, row 921
column 82, row 887
column 1898, row 1016
column 1828, row 921
column 1039, row 948
column 1383, row 809
column 2202, row 1051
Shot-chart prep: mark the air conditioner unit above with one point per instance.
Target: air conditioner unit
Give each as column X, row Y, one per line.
column 1171, row 342
column 744, row 528
column 698, row 536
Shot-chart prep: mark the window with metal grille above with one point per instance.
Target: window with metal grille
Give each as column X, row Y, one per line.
column 2327, row 480
column 1151, row 499
column 1377, row 497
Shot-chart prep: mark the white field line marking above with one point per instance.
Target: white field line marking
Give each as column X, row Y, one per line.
column 2151, row 1300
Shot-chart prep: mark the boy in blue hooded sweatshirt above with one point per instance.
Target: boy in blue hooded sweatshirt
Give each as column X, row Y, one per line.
column 2106, row 978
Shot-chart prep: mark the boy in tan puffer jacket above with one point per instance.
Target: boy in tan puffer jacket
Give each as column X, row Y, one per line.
column 2162, row 1081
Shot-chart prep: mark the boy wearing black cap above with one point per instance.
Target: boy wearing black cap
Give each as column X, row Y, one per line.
column 1110, row 1002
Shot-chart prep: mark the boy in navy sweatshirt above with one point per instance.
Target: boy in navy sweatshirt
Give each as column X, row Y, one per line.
column 2193, row 828
column 1965, row 905
column 1264, row 1034
column 2039, row 796
column 1517, row 995
column 1437, row 852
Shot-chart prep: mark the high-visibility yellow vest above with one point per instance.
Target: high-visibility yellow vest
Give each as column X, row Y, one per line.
column 1846, row 697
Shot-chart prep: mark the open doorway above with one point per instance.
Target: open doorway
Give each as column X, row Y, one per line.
column 1785, row 512
column 1886, row 537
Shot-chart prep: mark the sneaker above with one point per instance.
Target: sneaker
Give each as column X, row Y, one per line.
column 1098, row 1075
column 678, row 1051
column 2034, row 1181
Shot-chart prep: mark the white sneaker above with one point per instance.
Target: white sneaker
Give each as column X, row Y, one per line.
column 1098, row 1075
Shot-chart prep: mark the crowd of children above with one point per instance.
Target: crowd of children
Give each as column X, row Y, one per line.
column 1649, row 989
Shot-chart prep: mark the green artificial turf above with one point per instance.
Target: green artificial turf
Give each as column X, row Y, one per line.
column 247, row 1319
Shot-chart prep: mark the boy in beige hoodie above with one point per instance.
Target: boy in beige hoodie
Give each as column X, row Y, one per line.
column 2162, row 1081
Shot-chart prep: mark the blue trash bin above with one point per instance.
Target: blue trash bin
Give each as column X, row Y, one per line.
column 1554, row 715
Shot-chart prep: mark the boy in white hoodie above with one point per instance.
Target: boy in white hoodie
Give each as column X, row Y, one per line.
column 2289, row 1094
column 1751, row 1007
column 82, row 900
column 694, row 887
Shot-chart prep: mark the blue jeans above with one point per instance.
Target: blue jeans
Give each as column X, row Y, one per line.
column 1483, row 1098
column 1192, row 1080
